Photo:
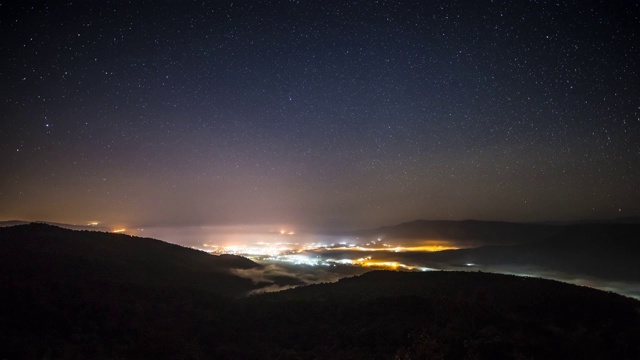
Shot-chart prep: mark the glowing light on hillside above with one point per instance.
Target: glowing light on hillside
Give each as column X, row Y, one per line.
column 119, row 230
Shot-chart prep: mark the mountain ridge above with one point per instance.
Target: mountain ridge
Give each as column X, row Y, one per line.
column 118, row 258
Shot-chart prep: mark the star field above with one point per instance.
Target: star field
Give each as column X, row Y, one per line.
column 322, row 114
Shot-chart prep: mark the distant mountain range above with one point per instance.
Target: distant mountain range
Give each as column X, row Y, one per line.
column 80, row 294
column 478, row 233
column 466, row 232
column 607, row 250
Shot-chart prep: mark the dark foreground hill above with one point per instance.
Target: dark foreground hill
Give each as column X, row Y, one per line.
column 379, row 315
column 460, row 315
column 43, row 253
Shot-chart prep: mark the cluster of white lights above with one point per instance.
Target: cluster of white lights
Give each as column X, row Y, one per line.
column 300, row 259
column 299, row 253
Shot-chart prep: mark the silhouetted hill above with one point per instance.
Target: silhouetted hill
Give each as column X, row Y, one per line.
column 608, row 251
column 605, row 250
column 65, row 226
column 46, row 252
column 12, row 223
column 459, row 315
column 479, row 233
column 619, row 220
column 468, row 232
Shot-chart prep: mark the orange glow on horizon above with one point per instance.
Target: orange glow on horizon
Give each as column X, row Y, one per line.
column 423, row 248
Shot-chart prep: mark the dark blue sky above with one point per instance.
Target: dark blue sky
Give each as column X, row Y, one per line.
column 319, row 113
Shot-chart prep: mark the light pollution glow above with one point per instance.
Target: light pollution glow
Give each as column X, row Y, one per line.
column 302, row 253
column 281, row 244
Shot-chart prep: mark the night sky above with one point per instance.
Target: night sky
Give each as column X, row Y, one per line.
column 318, row 114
